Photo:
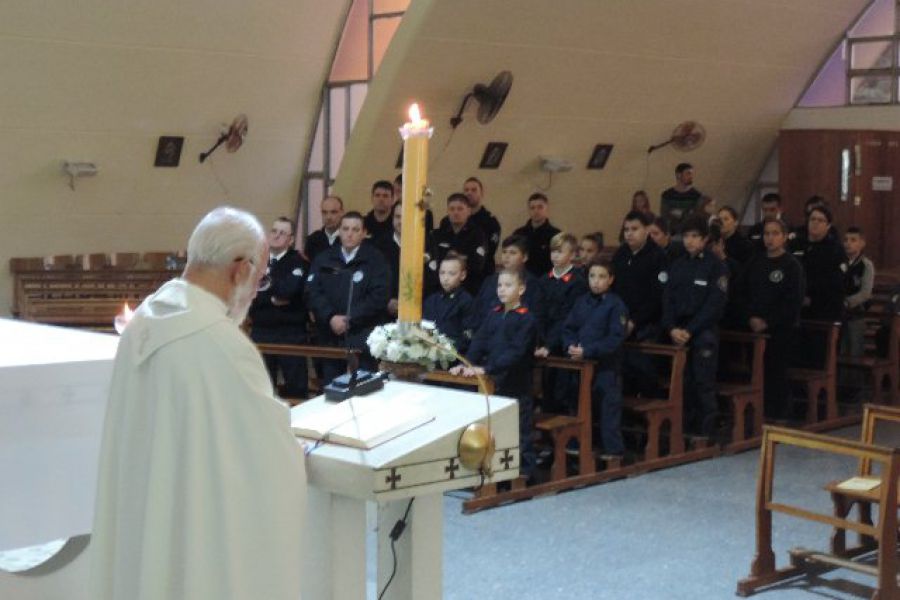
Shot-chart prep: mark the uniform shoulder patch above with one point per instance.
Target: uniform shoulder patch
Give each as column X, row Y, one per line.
column 310, row 278
column 298, row 272
column 776, row 276
column 663, row 277
column 722, row 282
column 358, row 276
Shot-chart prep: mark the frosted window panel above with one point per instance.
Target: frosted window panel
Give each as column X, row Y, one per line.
column 383, row 31
column 357, row 97
column 317, row 155
column 870, row 90
column 871, row 55
column 877, row 20
column 830, row 85
column 315, row 194
column 389, row 6
column 337, row 135
column 351, row 63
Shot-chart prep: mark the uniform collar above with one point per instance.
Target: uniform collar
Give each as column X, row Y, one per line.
column 564, row 276
column 277, row 257
column 349, row 256
column 331, row 236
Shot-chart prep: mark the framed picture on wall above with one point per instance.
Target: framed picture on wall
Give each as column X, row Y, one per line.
column 168, row 151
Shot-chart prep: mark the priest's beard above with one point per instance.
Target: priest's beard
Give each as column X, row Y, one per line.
column 240, row 300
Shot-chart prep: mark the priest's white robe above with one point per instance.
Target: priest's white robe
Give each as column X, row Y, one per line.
column 202, row 488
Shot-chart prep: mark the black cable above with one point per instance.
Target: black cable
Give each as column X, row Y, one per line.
column 396, row 532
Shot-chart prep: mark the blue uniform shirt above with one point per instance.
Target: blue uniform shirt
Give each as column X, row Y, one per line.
column 452, row 315
column 696, row 293
column 560, row 295
column 504, row 345
column 597, row 323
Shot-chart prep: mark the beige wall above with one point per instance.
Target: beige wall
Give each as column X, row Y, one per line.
column 100, row 81
column 880, row 118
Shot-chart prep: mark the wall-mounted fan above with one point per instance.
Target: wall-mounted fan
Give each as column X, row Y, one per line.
column 233, row 138
column 490, row 99
column 688, row 136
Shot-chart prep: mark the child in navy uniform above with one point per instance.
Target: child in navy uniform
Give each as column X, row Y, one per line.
column 693, row 303
column 513, row 257
column 560, row 288
column 595, row 330
column 451, row 308
column 858, row 283
column 503, row 348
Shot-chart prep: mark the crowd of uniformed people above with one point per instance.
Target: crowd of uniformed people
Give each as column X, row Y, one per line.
column 677, row 277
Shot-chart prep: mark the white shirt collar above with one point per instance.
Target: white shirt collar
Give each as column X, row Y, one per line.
column 349, row 256
column 563, row 274
column 396, row 239
column 331, row 236
column 277, row 257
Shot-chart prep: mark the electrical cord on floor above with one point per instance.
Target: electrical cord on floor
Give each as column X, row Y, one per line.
column 395, row 534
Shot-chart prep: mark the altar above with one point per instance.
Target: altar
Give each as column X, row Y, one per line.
column 422, row 464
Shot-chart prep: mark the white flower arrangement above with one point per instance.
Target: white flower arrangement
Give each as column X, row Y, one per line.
column 418, row 343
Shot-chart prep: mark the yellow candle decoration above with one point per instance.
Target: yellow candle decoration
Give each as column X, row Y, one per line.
column 415, row 134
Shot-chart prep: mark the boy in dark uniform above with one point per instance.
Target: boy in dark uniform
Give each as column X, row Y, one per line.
column 589, row 248
column 278, row 313
column 771, row 294
column 350, row 263
column 513, row 257
column 770, row 208
column 457, row 233
column 693, row 303
column 538, row 231
column 451, row 308
column 503, row 347
column 641, row 274
column 560, row 288
column 595, row 330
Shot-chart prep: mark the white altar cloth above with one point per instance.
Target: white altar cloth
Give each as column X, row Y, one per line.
column 54, row 384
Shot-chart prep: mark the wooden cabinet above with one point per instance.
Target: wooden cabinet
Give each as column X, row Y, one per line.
column 858, row 174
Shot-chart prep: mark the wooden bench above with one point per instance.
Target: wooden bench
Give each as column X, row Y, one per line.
column 820, row 380
column 562, row 428
column 881, row 369
column 656, row 412
column 763, row 570
column 844, row 499
column 744, row 395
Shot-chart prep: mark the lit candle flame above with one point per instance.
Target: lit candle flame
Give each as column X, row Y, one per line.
column 414, row 115
column 123, row 318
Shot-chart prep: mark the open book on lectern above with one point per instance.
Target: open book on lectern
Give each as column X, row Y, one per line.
column 362, row 422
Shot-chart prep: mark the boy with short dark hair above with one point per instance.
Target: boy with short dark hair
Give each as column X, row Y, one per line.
column 538, row 231
column 589, row 248
column 503, row 347
column 458, row 234
column 595, row 330
column 513, row 257
column 858, row 282
column 693, row 303
column 451, row 308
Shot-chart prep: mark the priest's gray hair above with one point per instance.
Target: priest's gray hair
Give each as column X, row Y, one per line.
column 223, row 235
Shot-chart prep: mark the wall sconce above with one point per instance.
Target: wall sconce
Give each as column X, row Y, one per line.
column 78, row 169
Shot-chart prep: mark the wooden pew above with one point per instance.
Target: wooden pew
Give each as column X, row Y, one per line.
column 821, row 379
column 844, row 499
column 881, row 369
column 656, row 412
column 745, row 394
column 562, row 428
column 763, row 571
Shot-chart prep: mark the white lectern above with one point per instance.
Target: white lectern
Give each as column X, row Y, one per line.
column 422, row 464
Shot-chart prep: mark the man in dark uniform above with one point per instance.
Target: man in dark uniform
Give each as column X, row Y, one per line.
column 641, row 273
column 693, row 303
column 538, row 231
column 824, row 265
column 323, row 239
column 770, row 208
column 483, row 219
column 680, row 200
column 278, row 313
column 661, row 234
column 457, row 233
column 378, row 220
column 342, row 318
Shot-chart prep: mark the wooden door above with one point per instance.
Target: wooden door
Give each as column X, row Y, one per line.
column 858, row 174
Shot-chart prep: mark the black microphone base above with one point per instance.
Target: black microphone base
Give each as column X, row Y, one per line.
column 339, row 388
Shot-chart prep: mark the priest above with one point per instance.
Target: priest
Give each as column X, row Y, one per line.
column 201, row 490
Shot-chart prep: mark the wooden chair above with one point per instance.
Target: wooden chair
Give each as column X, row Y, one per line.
column 562, row 428
column 746, row 394
column 763, row 571
column 844, row 499
column 881, row 369
column 657, row 412
column 821, row 380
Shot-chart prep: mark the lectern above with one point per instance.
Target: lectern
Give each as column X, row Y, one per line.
column 419, row 464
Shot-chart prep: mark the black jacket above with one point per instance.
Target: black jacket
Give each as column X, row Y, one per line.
column 538, row 246
column 640, row 279
column 696, row 293
column 288, row 281
column 504, row 345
